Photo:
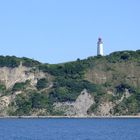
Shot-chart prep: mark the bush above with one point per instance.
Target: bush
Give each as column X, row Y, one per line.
column 29, row 62
column 62, row 94
column 23, row 104
column 73, row 70
column 123, row 56
column 2, row 88
column 42, row 83
column 129, row 106
column 66, row 89
column 122, row 87
column 9, row 61
column 20, row 86
column 12, row 61
column 39, row 100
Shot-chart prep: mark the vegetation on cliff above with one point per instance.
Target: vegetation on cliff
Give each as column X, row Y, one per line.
column 112, row 79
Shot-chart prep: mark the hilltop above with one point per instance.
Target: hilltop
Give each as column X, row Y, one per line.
column 96, row 86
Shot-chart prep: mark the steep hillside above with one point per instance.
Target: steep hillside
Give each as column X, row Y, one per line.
column 96, row 86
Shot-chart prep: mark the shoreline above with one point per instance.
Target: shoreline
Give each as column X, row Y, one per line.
column 69, row 117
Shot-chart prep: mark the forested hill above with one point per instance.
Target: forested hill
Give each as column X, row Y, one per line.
column 96, row 86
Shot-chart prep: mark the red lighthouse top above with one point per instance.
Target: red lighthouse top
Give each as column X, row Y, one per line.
column 100, row 40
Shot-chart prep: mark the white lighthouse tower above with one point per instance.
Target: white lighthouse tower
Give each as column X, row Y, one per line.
column 100, row 47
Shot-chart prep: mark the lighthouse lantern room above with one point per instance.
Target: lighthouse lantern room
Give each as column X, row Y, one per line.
column 100, row 47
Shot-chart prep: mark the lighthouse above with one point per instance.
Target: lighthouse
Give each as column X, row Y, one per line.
column 100, row 47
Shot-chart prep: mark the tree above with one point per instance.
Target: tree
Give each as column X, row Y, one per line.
column 42, row 83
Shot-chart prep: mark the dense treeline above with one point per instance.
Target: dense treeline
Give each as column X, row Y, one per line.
column 124, row 56
column 25, row 104
column 69, row 89
column 71, row 68
column 77, row 68
column 12, row 61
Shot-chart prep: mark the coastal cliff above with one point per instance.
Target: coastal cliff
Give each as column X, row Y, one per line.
column 96, row 86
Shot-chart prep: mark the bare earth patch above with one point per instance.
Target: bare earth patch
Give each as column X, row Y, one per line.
column 77, row 108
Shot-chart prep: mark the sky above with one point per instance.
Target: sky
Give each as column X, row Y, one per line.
column 56, row 31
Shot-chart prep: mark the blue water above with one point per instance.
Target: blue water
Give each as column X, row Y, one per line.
column 69, row 129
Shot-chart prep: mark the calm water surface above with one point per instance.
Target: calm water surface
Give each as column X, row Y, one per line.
column 69, row 129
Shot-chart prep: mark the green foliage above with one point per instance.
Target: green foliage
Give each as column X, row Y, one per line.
column 69, row 89
column 108, row 97
column 74, row 70
column 123, row 56
column 29, row 62
column 26, row 103
column 59, row 95
column 76, row 85
column 129, row 106
column 42, row 83
column 23, row 104
column 69, row 81
column 126, row 56
column 2, row 88
column 44, row 67
column 93, row 108
column 9, row 61
column 20, row 86
column 122, row 87
column 62, row 94
column 12, row 61
column 39, row 100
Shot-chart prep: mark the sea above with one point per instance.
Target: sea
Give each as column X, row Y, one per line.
column 70, row 129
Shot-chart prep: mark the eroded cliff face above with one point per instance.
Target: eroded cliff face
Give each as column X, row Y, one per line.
column 4, row 103
column 115, row 73
column 78, row 108
column 82, row 105
column 10, row 76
